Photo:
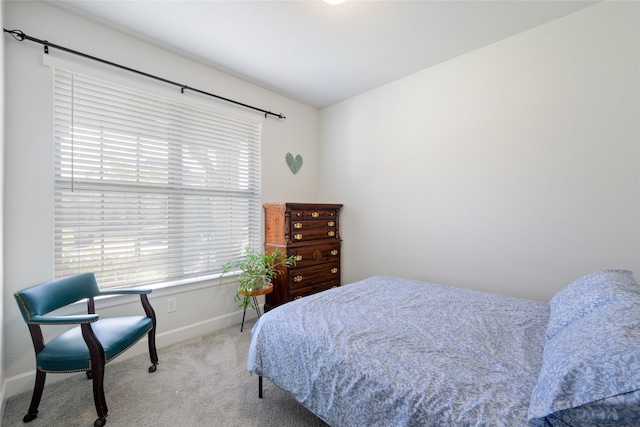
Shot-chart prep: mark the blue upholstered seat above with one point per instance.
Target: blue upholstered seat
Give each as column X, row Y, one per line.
column 68, row 352
column 88, row 346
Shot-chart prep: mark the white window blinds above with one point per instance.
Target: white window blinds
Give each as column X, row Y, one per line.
column 150, row 190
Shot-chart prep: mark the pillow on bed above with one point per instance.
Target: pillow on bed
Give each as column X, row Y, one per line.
column 591, row 370
column 589, row 293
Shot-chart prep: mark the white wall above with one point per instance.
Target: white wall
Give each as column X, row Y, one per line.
column 28, row 219
column 514, row 168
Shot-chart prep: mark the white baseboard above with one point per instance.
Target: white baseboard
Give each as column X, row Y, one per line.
column 24, row 382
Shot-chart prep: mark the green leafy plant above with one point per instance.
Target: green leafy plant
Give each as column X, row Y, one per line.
column 256, row 270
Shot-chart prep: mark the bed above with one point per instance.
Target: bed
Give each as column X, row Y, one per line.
column 388, row 351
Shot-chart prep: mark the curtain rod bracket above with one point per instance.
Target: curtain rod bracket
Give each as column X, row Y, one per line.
column 21, row 36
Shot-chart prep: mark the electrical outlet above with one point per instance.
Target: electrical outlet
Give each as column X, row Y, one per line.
column 171, row 305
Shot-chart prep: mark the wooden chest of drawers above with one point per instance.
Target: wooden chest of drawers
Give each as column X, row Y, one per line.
column 309, row 232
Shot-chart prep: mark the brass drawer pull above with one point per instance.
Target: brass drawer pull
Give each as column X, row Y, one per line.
column 297, row 279
column 298, row 258
column 315, row 215
column 297, row 225
column 298, row 237
column 331, row 224
column 334, row 270
column 331, row 233
column 334, row 252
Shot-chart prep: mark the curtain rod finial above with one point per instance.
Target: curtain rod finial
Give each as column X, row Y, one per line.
column 16, row 34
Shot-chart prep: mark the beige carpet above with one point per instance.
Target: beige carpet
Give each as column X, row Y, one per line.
column 199, row 382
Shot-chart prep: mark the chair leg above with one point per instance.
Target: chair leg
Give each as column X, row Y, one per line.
column 153, row 353
column 151, row 336
column 98, row 361
column 37, row 395
column 98, row 390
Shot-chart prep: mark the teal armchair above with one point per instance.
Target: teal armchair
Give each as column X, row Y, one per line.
column 89, row 345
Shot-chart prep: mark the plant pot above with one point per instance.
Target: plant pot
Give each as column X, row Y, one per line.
column 259, row 283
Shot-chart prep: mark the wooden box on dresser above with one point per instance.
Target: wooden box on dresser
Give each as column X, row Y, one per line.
column 309, row 232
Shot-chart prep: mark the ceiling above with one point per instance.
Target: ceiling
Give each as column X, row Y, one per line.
column 317, row 53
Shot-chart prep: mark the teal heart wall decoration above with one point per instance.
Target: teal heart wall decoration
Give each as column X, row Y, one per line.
column 294, row 163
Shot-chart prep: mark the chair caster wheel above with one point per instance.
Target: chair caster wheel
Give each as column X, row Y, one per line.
column 30, row 417
column 100, row 422
column 89, row 374
column 153, row 367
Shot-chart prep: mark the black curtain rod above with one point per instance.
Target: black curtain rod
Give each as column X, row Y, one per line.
column 20, row 36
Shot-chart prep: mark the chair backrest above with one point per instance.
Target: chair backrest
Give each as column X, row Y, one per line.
column 46, row 297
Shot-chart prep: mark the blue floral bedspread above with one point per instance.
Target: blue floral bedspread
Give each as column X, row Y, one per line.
column 394, row 352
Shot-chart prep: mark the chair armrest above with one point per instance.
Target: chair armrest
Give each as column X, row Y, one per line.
column 123, row 291
column 63, row 320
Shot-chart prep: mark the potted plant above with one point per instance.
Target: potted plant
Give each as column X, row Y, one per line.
column 256, row 270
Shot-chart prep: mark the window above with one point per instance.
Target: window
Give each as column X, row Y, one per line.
column 147, row 189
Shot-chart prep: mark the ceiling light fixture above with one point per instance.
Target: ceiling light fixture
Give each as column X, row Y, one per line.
column 334, row 2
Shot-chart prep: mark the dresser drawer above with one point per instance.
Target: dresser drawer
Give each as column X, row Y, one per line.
column 307, row 276
column 313, row 214
column 310, row 255
column 302, row 231
column 300, row 214
column 313, row 289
